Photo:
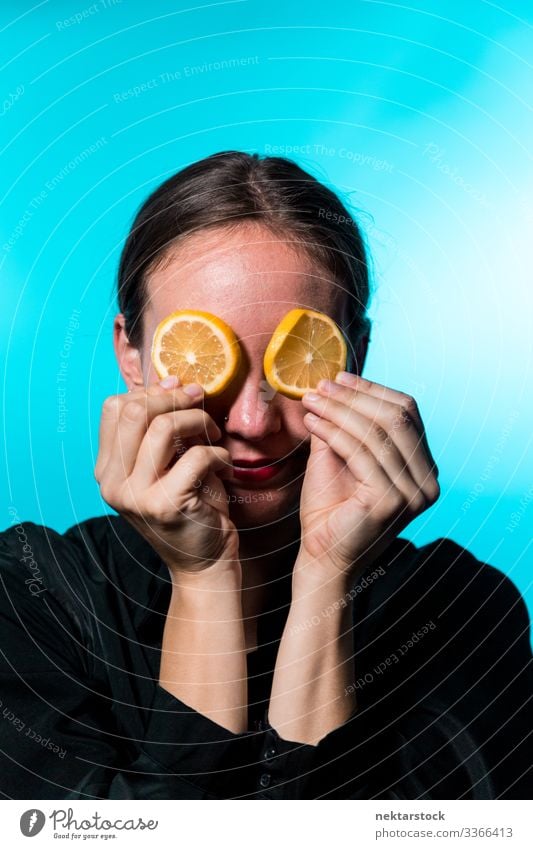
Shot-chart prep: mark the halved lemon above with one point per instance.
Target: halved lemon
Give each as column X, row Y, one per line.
column 197, row 347
column 305, row 347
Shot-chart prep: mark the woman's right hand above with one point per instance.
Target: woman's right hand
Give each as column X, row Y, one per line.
column 178, row 505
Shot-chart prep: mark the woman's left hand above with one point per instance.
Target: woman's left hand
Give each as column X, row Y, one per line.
column 370, row 473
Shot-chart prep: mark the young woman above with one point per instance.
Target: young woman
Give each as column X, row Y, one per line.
column 266, row 634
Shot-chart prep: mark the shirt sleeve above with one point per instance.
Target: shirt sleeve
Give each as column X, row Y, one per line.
column 444, row 688
column 185, row 750
column 446, row 658
column 472, row 687
column 60, row 734
column 342, row 765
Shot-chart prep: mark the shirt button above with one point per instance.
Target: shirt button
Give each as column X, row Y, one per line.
column 270, row 753
column 265, row 779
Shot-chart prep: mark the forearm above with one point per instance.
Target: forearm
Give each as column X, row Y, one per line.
column 203, row 659
column 311, row 693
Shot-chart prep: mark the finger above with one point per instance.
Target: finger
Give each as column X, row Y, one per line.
column 187, row 475
column 399, row 422
column 134, row 417
column 109, row 419
column 385, row 393
column 165, row 439
column 108, row 425
column 377, row 390
column 371, row 435
column 357, row 456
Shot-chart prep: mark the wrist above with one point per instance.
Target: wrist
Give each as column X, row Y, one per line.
column 218, row 585
column 318, row 577
column 324, row 608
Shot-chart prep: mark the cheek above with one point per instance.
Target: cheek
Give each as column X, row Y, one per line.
column 293, row 413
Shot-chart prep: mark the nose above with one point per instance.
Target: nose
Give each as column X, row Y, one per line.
column 254, row 412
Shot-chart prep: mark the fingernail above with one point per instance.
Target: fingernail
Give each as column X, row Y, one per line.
column 193, row 389
column 169, row 382
column 328, row 386
column 346, row 377
column 311, row 396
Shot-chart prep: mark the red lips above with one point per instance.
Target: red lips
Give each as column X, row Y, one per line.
column 257, row 470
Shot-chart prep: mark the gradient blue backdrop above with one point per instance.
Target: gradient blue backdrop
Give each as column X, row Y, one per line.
column 419, row 114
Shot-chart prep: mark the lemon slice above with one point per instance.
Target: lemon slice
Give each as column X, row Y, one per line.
column 197, row 347
column 305, row 347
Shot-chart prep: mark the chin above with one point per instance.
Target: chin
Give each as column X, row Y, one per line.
column 254, row 508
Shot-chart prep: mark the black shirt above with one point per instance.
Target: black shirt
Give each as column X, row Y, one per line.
column 442, row 672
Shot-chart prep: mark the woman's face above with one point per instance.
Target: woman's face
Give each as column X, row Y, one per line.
column 251, row 279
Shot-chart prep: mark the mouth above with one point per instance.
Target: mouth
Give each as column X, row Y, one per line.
column 258, row 470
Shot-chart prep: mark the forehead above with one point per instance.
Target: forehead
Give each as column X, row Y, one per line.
column 248, row 275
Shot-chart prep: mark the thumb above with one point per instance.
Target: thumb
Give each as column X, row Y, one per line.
column 170, row 382
column 160, row 387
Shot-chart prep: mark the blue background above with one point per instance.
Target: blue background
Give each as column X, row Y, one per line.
column 418, row 114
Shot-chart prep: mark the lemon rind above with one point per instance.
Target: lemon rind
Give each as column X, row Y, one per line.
column 278, row 337
column 218, row 327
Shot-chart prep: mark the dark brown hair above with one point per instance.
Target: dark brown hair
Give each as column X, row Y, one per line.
column 230, row 187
